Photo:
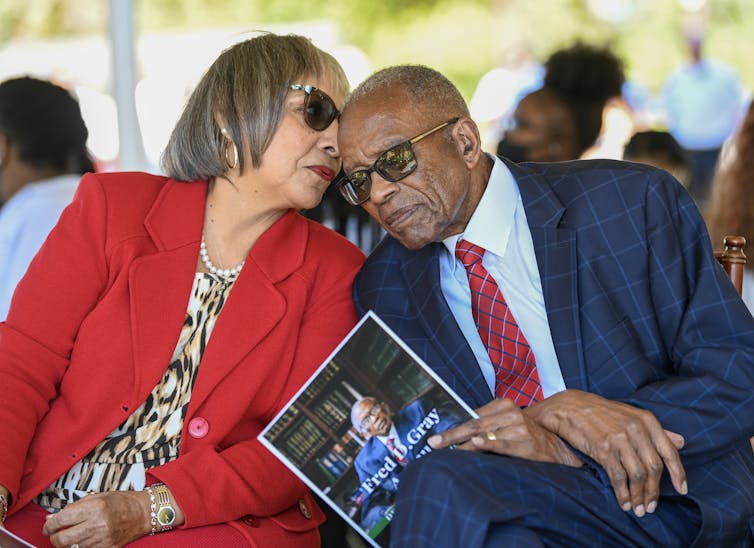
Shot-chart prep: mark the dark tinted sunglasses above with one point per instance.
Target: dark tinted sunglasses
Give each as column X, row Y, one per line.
column 319, row 109
column 394, row 164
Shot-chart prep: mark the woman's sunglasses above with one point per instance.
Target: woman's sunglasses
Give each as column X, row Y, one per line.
column 394, row 164
column 319, row 109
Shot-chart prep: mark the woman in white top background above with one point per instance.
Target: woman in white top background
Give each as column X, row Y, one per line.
column 42, row 157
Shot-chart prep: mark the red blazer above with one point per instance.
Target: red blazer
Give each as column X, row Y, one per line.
column 94, row 322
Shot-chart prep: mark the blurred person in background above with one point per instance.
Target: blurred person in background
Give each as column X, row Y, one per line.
column 731, row 203
column 659, row 149
column 499, row 90
column 43, row 155
column 703, row 103
column 563, row 119
column 166, row 320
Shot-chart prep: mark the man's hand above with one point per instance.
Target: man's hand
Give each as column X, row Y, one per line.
column 628, row 442
column 504, row 429
column 104, row 519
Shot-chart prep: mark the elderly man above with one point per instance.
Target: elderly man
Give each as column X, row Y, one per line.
column 394, row 439
column 387, row 451
column 578, row 306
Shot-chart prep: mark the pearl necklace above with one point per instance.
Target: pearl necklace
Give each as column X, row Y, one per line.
column 222, row 272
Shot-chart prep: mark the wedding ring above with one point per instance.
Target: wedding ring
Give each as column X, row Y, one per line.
column 491, row 436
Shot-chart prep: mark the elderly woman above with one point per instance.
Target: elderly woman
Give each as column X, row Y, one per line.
column 166, row 320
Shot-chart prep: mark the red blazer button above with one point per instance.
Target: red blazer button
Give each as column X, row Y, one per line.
column 304, row 509
column 250, row 520
column 198, row 427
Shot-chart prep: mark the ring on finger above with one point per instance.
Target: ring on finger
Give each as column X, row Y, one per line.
column 491, row 436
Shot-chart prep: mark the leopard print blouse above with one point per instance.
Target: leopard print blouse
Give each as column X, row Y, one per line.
column 151, row 436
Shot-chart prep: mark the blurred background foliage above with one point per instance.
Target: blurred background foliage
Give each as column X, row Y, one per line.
column 462, row 38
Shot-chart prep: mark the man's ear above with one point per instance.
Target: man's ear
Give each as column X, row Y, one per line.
column 468, row 142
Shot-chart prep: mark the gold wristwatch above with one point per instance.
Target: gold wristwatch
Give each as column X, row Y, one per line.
column 165, row 513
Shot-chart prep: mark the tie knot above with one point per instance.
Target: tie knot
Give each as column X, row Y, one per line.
column 469, row 253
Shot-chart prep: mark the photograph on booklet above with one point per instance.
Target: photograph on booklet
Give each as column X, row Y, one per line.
column 364, row 415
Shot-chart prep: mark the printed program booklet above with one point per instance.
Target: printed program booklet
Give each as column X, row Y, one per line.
column 364, row 415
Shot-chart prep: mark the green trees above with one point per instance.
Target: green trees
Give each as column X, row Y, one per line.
column 463, row 38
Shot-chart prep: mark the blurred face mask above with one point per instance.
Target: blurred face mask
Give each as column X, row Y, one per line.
column 513, row 152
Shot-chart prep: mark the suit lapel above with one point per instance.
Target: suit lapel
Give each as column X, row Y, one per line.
column 160, row 283
column 254, row 306
column 239, row 328
column 458, row 368
column 556, row 251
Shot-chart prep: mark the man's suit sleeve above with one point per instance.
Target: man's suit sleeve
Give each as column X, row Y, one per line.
column 708, row 332
column 361, row 460
column 355, row 292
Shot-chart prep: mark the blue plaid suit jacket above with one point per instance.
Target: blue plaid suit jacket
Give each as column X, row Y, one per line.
column 640, row 312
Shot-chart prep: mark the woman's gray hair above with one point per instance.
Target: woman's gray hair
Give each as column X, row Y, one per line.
column 245, row 90
column 428, row 89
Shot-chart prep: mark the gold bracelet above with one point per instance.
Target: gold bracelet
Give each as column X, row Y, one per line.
column 3, row 508
column 165, row 510
column 152, row 510
column 162, row 513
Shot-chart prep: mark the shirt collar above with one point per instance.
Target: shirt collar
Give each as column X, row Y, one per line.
column 491, row 223
column 393, row 433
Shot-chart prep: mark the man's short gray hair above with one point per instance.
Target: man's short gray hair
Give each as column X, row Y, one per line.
column 428, row 89
column 355, row 409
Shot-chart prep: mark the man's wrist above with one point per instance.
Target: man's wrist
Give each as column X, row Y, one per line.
column 550, row 413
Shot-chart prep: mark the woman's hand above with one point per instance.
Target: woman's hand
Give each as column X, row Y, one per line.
column 503, row 428
column 103, row 519
column 628, row 442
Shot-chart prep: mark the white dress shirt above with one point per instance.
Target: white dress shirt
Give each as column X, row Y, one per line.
column 499, row 226
column 25, row 221
column 399, row 451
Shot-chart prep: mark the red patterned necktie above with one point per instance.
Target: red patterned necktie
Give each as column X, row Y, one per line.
column 398, row 453
column 516, row 374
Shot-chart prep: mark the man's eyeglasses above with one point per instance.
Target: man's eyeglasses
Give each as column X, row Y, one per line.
column 367, row 421
column 319, row 108
column 394, row 164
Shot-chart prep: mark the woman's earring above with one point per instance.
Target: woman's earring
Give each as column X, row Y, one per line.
column 230, row 145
